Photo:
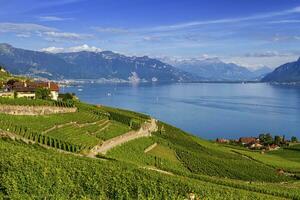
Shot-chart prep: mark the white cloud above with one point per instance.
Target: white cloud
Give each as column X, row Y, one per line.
column 286, row 21
column 45, row 32
column 193, row 24
column 23, row 35
column 257, row 62
column 266, row 54
column 109, row 30
column 297, row 37
column 226, row 20
column 83, row 47
column 53, row 49
column 66, row 36
column 151, row 38
column 284, row 38
column 24, row 27
column 53, row 18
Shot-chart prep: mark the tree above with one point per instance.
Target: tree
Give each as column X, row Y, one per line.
column 67, row 96
column 266, row 139
column 261, row 137
column 42, row 93
column 278, row 139
column 11, row 81
column 269, row 139
column 294, row 139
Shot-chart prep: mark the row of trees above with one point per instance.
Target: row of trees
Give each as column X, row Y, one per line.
column 41, row 139
column 36, row 102
column 133, row 123
column 67, row 99
column 268, row 139
column 69, row 177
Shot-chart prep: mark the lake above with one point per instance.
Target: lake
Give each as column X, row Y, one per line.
column 208, row 110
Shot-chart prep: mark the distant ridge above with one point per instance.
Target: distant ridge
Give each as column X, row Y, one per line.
column 90, row 65
column 213, row 69
column 289, row 72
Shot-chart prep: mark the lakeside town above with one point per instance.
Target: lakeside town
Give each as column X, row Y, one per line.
column 13, row 87
column 264, row 142
column 20, row 87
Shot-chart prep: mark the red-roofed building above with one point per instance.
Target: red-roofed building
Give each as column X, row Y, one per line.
column 273, row 147
column 248, row 140
column 28, row 89
column 222, row 140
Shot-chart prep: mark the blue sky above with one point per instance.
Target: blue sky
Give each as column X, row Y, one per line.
column 248, row 32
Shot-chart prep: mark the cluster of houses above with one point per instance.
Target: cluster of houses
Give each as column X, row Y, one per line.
column 249, row 142
column 27, row 89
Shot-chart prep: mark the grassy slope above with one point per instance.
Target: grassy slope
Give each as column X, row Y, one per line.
column 85, row 128
column 205, row 165
column 5, row 76
column 28, row 172
column 285, row 159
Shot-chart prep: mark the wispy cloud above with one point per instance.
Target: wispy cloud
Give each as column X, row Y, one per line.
column 286, row 21
column 60, row 2
column 66, row 35
column 23, row 35
column 285, row 38
column 25, row 30
column 267, row 54
column 83, row 47
column 151, row 38
column 33, row 6
column 226, row 20
column 109, row 29
column 53, row 49
column 257, row 62
column 194, row 33
column 24, row 27
column 53, row 18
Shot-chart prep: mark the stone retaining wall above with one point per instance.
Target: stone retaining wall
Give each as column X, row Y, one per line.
column 34, row 110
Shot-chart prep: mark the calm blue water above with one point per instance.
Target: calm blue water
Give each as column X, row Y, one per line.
column 206, row 109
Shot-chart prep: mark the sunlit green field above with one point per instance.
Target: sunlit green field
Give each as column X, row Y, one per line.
column 170, row 164
column 87, row 127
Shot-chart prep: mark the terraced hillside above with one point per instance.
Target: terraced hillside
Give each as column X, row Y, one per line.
column 50, row 158
column 5, row 76
column 74, row 132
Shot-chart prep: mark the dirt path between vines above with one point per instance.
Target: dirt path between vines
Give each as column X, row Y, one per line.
column 58, row 126
column 144, row 131
column 74, row 123
column 158, row 170
column 150, row 147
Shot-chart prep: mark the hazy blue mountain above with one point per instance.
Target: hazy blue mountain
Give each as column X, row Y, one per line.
column 19, row 61
column 289, row 72
column 89, row 65
column 215, row 70
column 261, row 72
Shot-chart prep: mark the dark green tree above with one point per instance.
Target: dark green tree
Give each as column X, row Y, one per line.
column 266, row 139
column 278, row 139
column 42, row 93
column 294, row 139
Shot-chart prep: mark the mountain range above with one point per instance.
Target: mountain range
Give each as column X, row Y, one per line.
column 108, row 65
column 289, row 72
column 89, row 65
column 214, row 69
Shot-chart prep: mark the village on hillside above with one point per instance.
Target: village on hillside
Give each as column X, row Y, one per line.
column 22, row 87
column 29, row 89
column 264, row 142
